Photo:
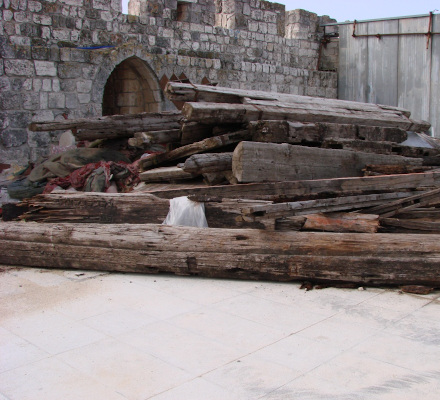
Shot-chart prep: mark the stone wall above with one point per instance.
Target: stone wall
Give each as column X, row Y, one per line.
column 82, row 58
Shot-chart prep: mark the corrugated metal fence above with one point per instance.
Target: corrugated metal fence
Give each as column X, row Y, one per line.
column 386, row 63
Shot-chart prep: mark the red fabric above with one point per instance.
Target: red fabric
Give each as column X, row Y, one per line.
column 78, row 178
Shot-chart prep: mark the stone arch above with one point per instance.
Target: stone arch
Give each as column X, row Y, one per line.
column 131, row 88
column 118, row 67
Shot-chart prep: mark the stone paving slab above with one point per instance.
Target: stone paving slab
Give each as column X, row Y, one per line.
column 88, row 335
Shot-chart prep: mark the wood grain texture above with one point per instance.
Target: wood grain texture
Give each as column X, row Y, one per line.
column 266, row 162
column 305, row 189
column 226, row 253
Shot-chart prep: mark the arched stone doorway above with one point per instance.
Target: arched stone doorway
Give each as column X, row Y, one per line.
column 131, row 88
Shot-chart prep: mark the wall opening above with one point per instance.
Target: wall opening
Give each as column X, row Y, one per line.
column 131, row 88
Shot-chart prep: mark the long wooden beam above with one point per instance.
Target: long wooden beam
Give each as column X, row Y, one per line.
column 226, row 253
column 308, row 189
column 224, row 113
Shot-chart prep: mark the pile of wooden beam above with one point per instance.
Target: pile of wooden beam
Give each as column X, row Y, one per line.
column 294, row 187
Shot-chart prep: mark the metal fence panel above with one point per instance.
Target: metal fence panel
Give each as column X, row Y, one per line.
column 398, row 70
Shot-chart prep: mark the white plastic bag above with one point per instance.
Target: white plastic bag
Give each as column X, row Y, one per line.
column 185, row 212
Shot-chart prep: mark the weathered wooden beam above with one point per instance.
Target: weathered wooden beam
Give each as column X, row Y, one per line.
column 105, row 127
column 224, row 113
column 381, row 148
column 197, row 147
column 130, row 208
column 363, row 258
column 308, row 189
column 320, row 205
column 424, row 199
column 341, row 222
column 371, row 170
column 217, row 94
column 410, row 225
column 265, row 162
column 210, row 162
column 194, row 132
column 167, row 174
column 293, row 132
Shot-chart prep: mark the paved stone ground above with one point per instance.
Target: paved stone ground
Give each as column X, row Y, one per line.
column 81, row 335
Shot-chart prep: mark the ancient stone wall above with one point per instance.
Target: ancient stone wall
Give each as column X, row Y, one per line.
column 81, row 58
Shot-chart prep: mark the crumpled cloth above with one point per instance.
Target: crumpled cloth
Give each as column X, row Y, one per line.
column 61, row 165
column 97, row 177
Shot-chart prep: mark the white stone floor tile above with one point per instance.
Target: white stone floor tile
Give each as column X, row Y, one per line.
column 251, row 377
column 402, row 352
column 125, row 368
column 338, row 332
column 87, row 335
column 272, row 314
column 118, row 321
column 52, row 332
column 51, row 379
column 196, row 389
column 228, row 329
column 15, row 351
column 298, row 353
column 189, row 351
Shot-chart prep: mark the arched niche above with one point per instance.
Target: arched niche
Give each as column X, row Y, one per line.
column 131, row 88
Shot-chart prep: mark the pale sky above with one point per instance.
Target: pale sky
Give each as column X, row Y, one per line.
column 343, row 10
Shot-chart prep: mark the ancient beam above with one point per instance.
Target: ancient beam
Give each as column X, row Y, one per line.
column 363, row 258
column 266, row 162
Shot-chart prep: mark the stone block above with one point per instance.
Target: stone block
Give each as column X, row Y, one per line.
column 22, row 16
column 8, row 15
column 37, row 84
column 61, row 34
column 79, row 55
column 42, row 19
column 30, row 30
column 34, row 6
column 56, row 86
column 71, row 100
column 57, row 100
column 6, row 50
column 13, row 137
column 85, row 86
column 31, row 101
column 40, row 53
column 84, row 98
column 39, row 139
column 19, row 68
column 69, row 70
column 45, row 68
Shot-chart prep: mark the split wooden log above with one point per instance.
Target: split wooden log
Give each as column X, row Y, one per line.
column 210, row 162
column 223, row 113
column 331, row 222
column 381, row 148
column 342, row 222
column 320, row 205
column 389, row 209
column 363, row 258
column 167, row 174
column 130, row 208
column 265, row 162
column 197, row 147
column 203, row 93
column 311, row 133
column 113, row 126
column 308, row 189
column 194, row 132
column 409, row 225
column 371, row 170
